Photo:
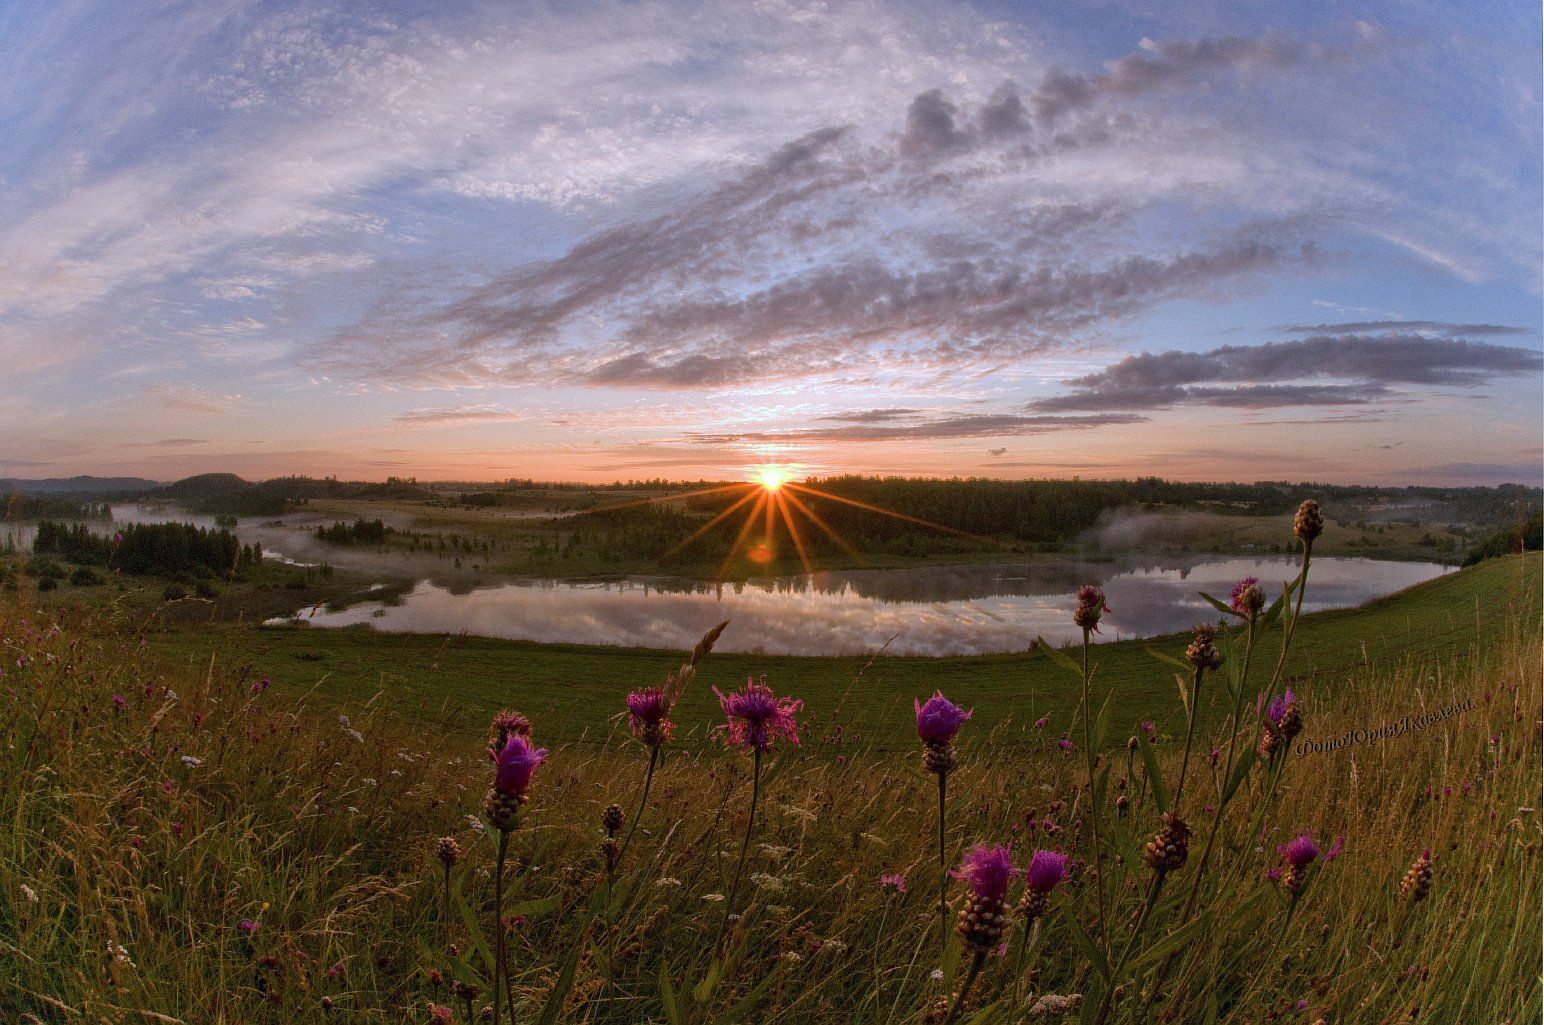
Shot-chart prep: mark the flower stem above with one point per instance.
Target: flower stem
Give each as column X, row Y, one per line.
column 648, row 781
column 1153, row 890
column 745, row 846
column 1093, row 808
column 498, row 923
column 1190, row 732
column 970, row 979
column 943, row 865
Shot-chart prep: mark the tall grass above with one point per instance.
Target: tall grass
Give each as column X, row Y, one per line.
column 206, row 849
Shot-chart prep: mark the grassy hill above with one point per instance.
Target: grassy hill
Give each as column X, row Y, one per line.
column 458, row 681
column 184, row 845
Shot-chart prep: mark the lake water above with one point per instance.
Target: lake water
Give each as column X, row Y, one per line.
column 949, row 610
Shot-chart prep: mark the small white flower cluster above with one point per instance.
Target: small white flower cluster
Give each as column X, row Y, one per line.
column 668, row 881
column 770, row 883
column 120, row 955
column 191, row 762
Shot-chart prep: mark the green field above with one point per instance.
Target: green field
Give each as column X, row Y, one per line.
column 576, row 691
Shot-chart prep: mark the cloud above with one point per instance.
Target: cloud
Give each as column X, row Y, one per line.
column 875, row 416
column 996, row 451
column 1161, row 65
column 187, row 398
column 979, row 425
column 1364, row 365
column 167, row 443
column 456, row 416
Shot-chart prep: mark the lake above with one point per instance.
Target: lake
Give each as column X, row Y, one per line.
column 940, row 610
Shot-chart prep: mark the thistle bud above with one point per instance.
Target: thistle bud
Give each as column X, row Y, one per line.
column 1414, row 886
column 1167, row 850
column 1091, row 607
column 1202, row 652
column 1282, row 723
column 984, row 917
column 1309, row 521
column 611, row 819
column 448, row 851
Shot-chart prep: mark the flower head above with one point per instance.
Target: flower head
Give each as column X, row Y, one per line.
column 988, row 868
column 1091, row 606
column 119, row 701
column 1299, row 853
column 1276, row 711
column 1247, row 597
column 514, row 765
column 1046, row 870
column 505, row 724
column 247, row 926
column 1309, row 521
column 647, row 709
column 894, row 883
column 938, row 718
column 757, row 717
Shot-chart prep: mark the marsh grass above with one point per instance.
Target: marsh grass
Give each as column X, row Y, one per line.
column 136, row 840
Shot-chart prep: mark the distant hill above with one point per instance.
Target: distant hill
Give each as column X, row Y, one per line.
column 83, row 485
column 1527, row 536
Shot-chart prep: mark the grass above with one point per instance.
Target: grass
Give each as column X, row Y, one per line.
column 458, row 681
column 141, row 834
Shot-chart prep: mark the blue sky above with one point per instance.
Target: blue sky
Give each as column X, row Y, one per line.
column 599, row 241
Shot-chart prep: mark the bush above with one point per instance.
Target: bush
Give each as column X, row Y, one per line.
column 47, row 583
column 85, row 576
column 47, row 568
column 204, row 589
column 174, row 592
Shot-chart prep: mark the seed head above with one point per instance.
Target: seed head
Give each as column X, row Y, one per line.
column 1247, row 597
column 1282, row 723
column 1202, row 652
column 506, row 724
column 447, row 850
column 611, row 819
column 1417, row 882
column 1309, row 521
column 1170, row 846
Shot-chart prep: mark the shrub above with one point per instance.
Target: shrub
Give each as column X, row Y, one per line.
column 174, row 592
column 85, row 576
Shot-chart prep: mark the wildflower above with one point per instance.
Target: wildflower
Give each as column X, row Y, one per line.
column 29, row 893
column 448, row 851
column 667, row 881
column 1091, row 606
column 441, row 1014
column 611, row 819
column 756, row 717
column 1054, row 1005
column 1202, row 652
column 1167, row 850
column 1247, row 597
column 894, row 883
column 1281, row 724
column 120, row 702
column 713, row 897
column 647, row 709
column 1299, row 854
column 514, row 765
column 1041, row 722
column 1414, row 886
column 1309, row 522
column 247, row 926
column 260, row 685
column 1151, row 729
column 938, row 721
column 191, row 761
column 989, row 870
column 505, row 724
column 1046, row 871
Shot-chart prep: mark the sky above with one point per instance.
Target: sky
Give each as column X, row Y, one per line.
column 591, row 242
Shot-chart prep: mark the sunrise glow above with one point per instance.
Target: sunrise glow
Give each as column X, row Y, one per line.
column 773, row 477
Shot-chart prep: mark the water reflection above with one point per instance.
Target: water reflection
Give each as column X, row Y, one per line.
column 948, row 610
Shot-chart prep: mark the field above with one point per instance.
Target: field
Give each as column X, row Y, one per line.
column 457, row 682
column 187, row 844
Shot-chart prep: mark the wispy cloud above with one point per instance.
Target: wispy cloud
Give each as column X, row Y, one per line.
column 980, row 425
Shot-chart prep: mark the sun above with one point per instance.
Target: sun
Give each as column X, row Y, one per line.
column 771, row 478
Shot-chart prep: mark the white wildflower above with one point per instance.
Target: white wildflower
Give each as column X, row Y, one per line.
column 29, row 893
column 767, row 882
column 792, row 956
column 667, row 881
column 190, row 762
column 714, row 897
column 355, row 735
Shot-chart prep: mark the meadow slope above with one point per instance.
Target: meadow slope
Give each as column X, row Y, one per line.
column 186, row 844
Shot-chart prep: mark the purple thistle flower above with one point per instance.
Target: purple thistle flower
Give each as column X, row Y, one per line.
column 1340, row 841
column 1301, row 852
column 1279, row 706
column 247, row 926
column 646, row 713
column 120, row 702
column 1091, row 606
column 1246, row 596
column 757, row 717
column 1046, row 870
column 938, row 719
column 261, row 685
column 894, row 883
column 514, row 765
column 989, row 869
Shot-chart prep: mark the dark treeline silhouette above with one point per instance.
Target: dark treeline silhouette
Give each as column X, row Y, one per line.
column 159, row 548
column 360, row 532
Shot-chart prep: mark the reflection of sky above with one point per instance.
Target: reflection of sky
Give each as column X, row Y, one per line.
column 927, row 611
